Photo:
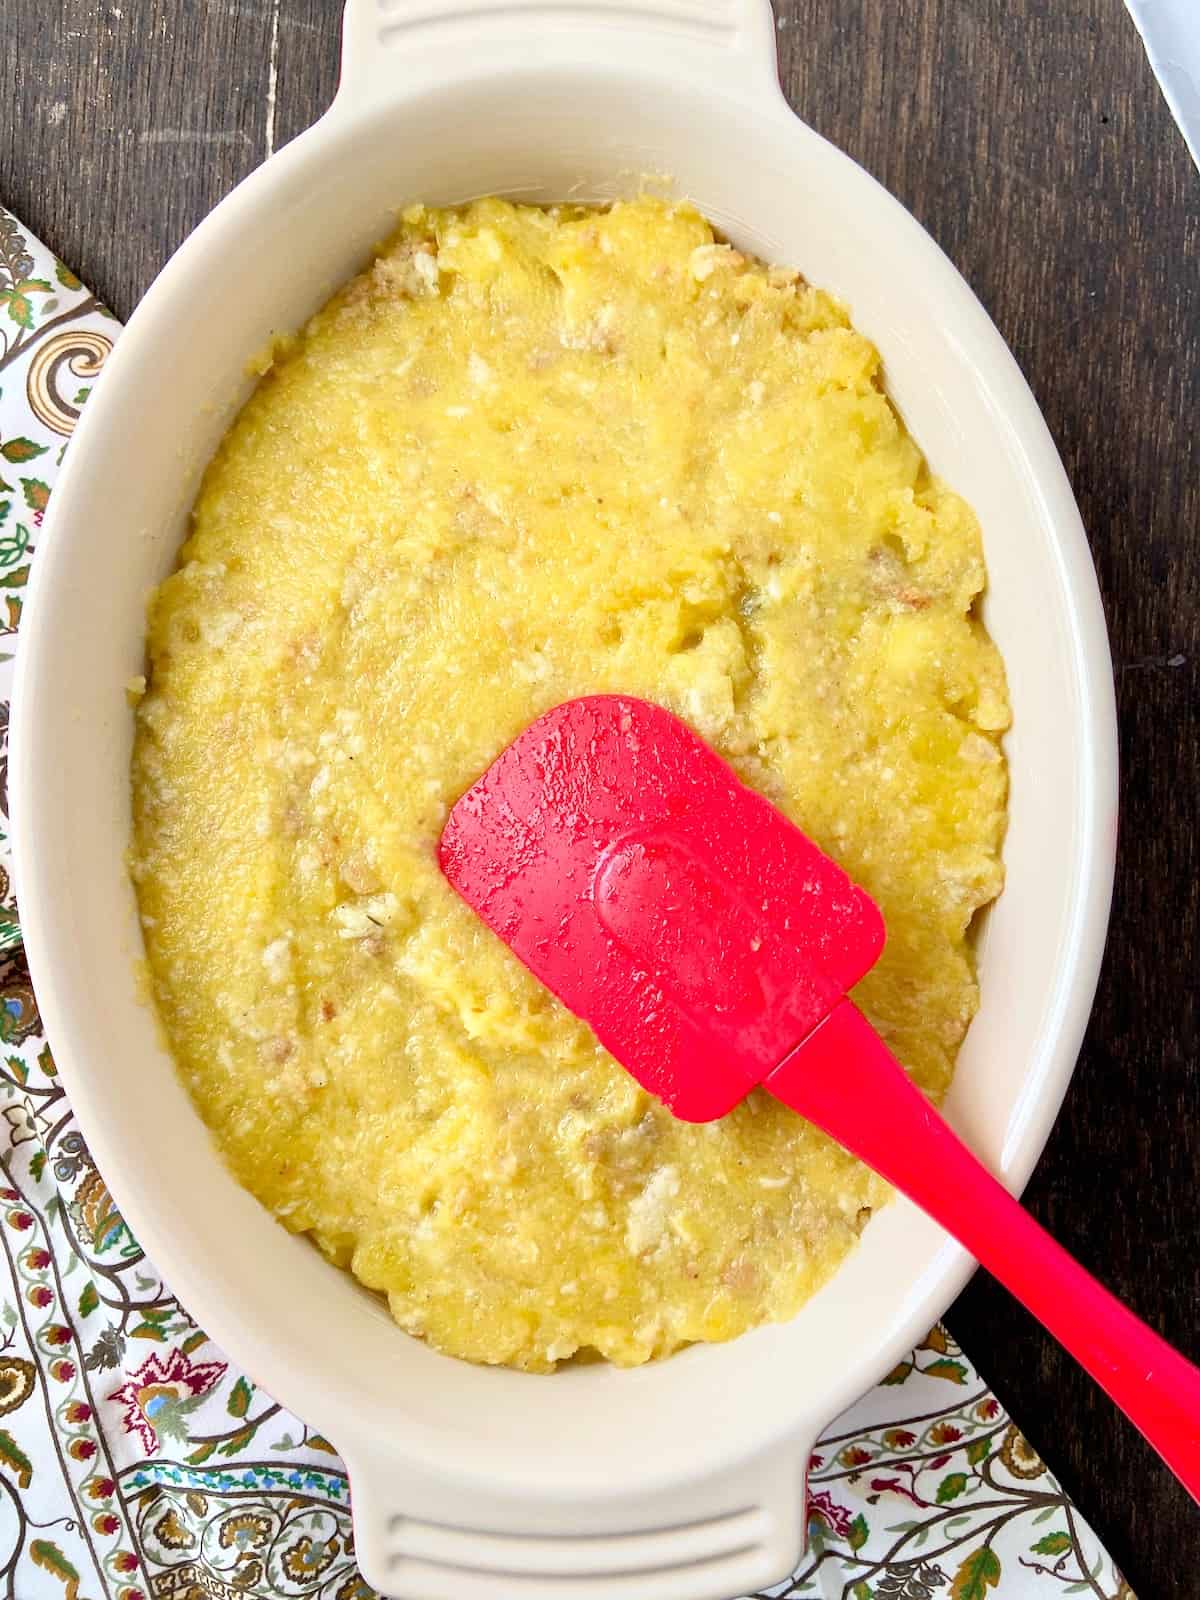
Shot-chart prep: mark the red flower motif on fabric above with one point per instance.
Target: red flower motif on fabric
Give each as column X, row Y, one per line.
column 825, row 1508
column 944, row 1433
column 155, row 1389
column 899, row 1438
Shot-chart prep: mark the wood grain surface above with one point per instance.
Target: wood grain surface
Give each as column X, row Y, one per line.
column 1030, row 138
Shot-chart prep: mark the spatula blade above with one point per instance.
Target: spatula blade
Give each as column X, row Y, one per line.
column 697, row 930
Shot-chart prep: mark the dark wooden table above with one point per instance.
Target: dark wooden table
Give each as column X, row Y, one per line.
column 1029, row 136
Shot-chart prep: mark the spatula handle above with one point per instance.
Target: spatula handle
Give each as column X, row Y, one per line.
column 845, row 1080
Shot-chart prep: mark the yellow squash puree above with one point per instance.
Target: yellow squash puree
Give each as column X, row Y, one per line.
column 534, row 454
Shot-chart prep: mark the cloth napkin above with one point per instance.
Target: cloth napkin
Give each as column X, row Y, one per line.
column 137, row 1461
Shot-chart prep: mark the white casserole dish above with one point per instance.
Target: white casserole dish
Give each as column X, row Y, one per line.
column 685, row 1479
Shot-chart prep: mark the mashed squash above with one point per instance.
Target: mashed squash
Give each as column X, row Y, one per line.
column 533, row 454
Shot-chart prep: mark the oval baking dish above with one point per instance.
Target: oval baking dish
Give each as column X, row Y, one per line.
column 684, row 1479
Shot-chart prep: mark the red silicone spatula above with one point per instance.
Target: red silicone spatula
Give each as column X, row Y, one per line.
column 711, row 945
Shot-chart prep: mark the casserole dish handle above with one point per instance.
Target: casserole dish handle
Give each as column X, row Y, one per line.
column 392, row 46
column 421, row 1538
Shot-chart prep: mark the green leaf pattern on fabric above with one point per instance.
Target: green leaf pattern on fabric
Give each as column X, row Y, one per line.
column 50, row 1558
column 1052, row 1544
column 20, row 450
column 13, row 1459
column 979, row 1572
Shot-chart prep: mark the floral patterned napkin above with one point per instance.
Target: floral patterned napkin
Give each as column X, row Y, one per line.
column 136, row 1461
